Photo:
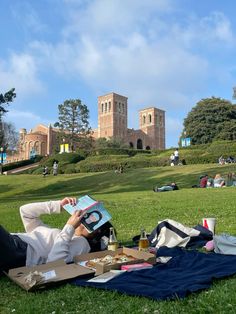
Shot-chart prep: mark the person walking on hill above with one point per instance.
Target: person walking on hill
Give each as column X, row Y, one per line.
column 55, row 168
column 172, row 159
column 176, row 154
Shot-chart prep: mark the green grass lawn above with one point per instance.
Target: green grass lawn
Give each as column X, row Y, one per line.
column 133, row 204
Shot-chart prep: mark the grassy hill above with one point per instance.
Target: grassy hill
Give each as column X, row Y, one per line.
column 133, row 204
column 110, row 159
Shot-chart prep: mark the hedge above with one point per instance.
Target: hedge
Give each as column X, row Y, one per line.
column 62, row 159
column 21, row 163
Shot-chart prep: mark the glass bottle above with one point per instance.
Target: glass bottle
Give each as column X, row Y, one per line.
column 112, row 242
column 143, row 243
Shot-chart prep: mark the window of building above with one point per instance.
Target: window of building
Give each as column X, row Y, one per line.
column 150, row 118
column 102, row 107
column 123, row 108
column 109, row 106
column 115, row 109
column 119, row 107
column 161, row 120
column 144, row 119
column 105, row 106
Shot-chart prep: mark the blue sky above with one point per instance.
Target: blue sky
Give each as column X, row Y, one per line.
column 163, row 53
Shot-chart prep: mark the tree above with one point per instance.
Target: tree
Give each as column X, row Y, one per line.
column 11, row 136
column 5, row 99
column 73, row 121
column 211, row 119
column 104, row 143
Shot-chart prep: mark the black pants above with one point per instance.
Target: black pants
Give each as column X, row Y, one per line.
column 12, row 251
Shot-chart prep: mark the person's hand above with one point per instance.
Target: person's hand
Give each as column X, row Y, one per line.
column 68, row 200
column 75, row 219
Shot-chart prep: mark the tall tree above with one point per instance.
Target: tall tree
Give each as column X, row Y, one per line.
column 211, row 119
column 5, row 99
column 73, row 121
column 11, row 136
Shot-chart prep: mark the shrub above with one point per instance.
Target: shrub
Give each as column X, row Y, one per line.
column 119, row 151
column 64, row 158
column 70, row 169
column 21, row 163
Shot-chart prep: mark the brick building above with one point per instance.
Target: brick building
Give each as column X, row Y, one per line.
column 112, row 122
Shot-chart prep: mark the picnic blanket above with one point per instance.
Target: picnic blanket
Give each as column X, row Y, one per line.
column 188, row 271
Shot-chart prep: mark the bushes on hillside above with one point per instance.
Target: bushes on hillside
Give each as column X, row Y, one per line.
column 62, row 159
column 119, row 151
column 21, row 163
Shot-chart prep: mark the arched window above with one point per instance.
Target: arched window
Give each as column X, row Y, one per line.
column 102, row 107
column 139, row 144
column 36, row 147
column 109, row 106
column 161, row 120
column 105, row 106
column 150, row 118
column 144, row 119
column 123, row 108
column 131, row 145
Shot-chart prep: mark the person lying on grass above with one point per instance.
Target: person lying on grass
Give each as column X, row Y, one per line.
column 41, row 244
column 169, row 187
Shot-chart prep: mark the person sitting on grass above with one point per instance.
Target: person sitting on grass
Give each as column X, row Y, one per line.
column 218, row 181
column 203, row 181
column 120, row 169
column 210, row 182
column 231, row 179
column 170, row 187
column 41, row 244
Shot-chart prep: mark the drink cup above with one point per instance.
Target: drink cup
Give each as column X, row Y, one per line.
column 209, row 223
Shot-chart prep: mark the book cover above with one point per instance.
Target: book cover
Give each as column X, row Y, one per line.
column 94, row 216
column 139, row 266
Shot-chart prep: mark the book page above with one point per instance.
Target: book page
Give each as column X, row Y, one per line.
column 83, row 203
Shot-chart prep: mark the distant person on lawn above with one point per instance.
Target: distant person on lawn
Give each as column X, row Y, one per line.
column 219, row 181
column 169, row 187
column 231, row 179
column 45, row 171
column 55, row 168
column 40, row 243
column 176, row 154
column 203, row 181
column 172, row 159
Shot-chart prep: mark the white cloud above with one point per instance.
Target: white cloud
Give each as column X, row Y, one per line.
column 137, row 48
column 20, row 72
column 25, row 119
column 133, row 48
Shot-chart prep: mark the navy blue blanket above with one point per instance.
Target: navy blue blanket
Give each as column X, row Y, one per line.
column 188, row 271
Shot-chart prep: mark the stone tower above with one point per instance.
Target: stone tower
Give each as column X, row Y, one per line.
column 152, row 123
column 112, row 116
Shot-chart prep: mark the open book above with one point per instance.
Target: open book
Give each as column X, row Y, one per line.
column 94, row 213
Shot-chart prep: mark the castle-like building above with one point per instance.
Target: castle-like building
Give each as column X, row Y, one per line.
column 112, row 122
